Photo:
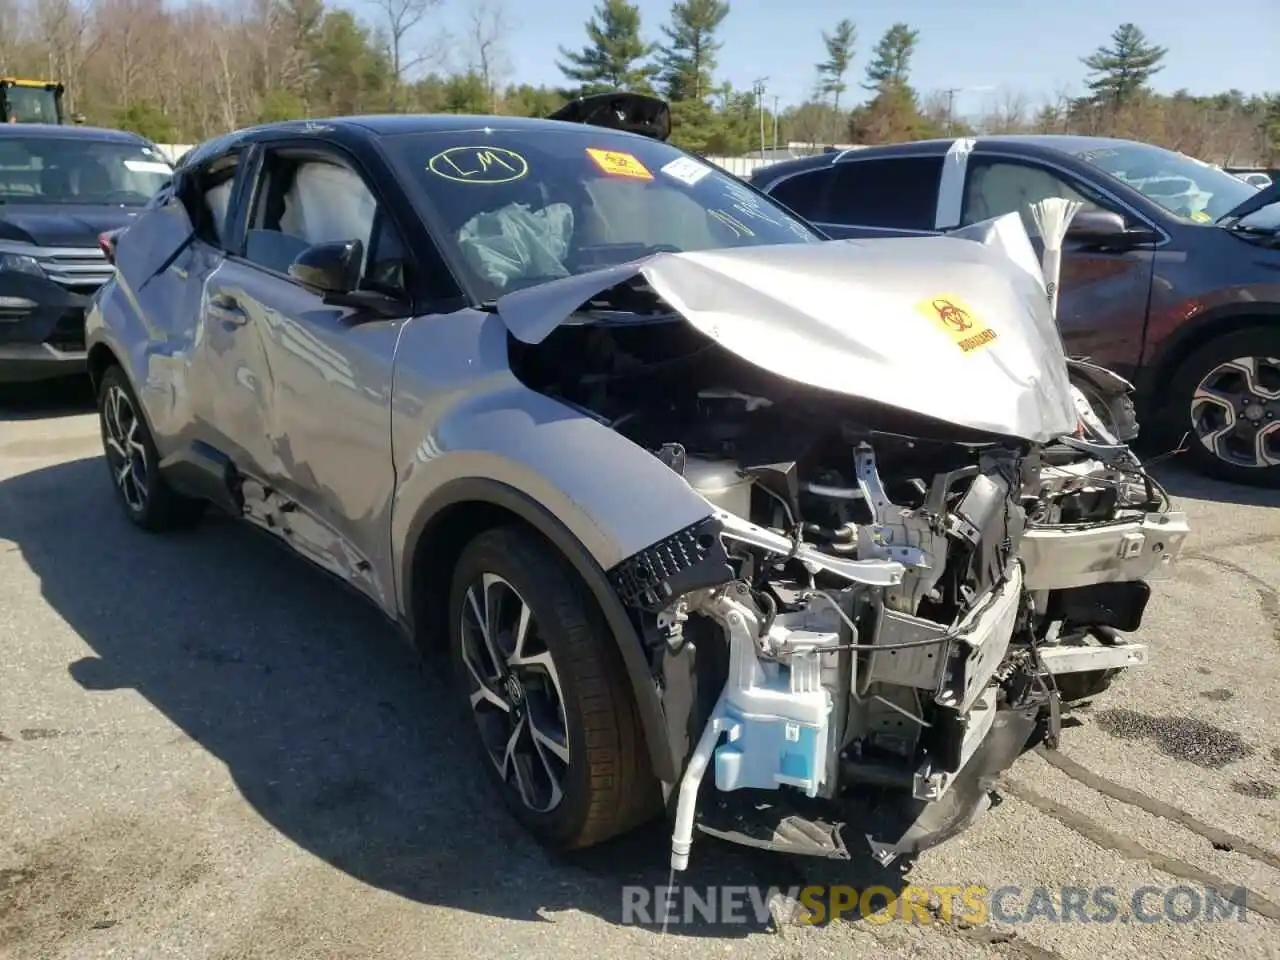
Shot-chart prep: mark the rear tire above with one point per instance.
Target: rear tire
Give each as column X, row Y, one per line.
column 142, row 493
column 1227, row 396
column 523, row 632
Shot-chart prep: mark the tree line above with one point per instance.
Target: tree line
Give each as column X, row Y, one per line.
column 184, row 73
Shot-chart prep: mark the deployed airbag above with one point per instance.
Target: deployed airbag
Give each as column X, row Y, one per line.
column 518, row 243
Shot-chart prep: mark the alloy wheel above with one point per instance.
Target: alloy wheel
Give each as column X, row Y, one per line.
column 126, row 453
column 515, row 692
column 1235, row 411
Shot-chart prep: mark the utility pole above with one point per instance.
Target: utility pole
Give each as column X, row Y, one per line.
column 759, row 88
column 951, row 100
column 775, row 126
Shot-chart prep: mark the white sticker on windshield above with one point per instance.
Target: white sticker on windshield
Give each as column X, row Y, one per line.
column 686, row 170
column 148, row 166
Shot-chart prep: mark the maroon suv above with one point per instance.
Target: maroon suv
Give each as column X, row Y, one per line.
column 1170, row 274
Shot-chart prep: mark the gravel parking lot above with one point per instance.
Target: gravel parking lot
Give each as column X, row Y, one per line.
column 209, row 751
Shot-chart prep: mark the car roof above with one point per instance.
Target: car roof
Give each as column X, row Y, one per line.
column 351, row 131
column 62, row 131
column 1030, row 144
column 364, row 128
column 392, row 124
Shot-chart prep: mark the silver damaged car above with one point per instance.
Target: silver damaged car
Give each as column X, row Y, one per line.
column 801, row 541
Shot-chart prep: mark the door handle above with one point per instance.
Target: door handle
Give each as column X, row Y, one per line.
column 227, row 309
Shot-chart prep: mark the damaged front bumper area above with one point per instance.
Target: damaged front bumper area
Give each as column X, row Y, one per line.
column 870, row 689
column 1101, row 529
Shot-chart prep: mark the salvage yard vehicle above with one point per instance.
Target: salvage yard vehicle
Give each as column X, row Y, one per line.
column 31, row 101
column 1169, row 272
column 61, row 188
column 793, row 538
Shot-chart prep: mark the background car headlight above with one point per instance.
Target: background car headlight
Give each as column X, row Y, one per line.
column 19, row 263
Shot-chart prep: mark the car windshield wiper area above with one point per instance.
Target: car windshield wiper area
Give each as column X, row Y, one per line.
column 1268, row 236
column 635, row 297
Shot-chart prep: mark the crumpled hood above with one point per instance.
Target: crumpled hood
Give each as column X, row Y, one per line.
column 954, row 327
column 61, row 226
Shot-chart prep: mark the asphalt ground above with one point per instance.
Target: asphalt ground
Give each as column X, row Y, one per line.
column 209, row 751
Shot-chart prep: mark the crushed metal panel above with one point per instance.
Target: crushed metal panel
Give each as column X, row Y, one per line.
column 851, row 316
column 1058, row 558
column 985, row 635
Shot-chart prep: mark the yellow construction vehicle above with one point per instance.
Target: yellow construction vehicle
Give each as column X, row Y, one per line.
column 32, row 101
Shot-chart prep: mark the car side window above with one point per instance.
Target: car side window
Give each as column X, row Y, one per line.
column 896, row 193
column 994, row 188
column 207, row 197
column 305, row 200
column 805, row 193
column 216, row 200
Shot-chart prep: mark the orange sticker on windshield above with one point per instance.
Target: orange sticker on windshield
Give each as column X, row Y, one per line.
column 619, row 164
column 957, row 320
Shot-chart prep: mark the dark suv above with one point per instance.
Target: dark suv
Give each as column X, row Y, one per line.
column 61, row 188
column 1170, row 273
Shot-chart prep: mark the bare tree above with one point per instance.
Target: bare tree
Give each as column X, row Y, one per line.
column 11, row 33
column 487, row 31
column 401, row 17
column 936, row 107
column 1007, row 113
column 63, row 27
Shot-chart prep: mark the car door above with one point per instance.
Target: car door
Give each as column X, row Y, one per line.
column 228, row 369
column 1102, row 293
column 325, row 380
column 217, row 388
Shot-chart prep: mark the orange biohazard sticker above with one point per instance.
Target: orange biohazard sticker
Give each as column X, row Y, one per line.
column 957, row 320
column 619, row 164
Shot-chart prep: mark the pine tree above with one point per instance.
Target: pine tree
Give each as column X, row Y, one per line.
column 613, row 58
column 831, row 71
column 689, row 57
column 892, row 63
column 1122, row 70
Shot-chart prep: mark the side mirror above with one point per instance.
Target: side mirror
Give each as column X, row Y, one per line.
column 1105, row 228
column 332, row 267
column 1095, row 225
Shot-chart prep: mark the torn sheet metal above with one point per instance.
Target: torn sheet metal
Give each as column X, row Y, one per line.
column 957, row 328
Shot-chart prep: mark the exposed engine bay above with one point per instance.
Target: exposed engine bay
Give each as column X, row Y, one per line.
column 883, row 610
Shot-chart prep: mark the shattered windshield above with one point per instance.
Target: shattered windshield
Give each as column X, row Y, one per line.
column 1183, row 186
column 521, row 207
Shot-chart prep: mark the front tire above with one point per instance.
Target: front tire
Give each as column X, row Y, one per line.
column 142, row 493
column 547, row 692
column 1227, row 396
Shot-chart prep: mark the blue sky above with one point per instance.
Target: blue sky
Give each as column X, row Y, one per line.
column 971, row 44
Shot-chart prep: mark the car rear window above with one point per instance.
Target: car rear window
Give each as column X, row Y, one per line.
column 898, row 193
column 805, row 193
